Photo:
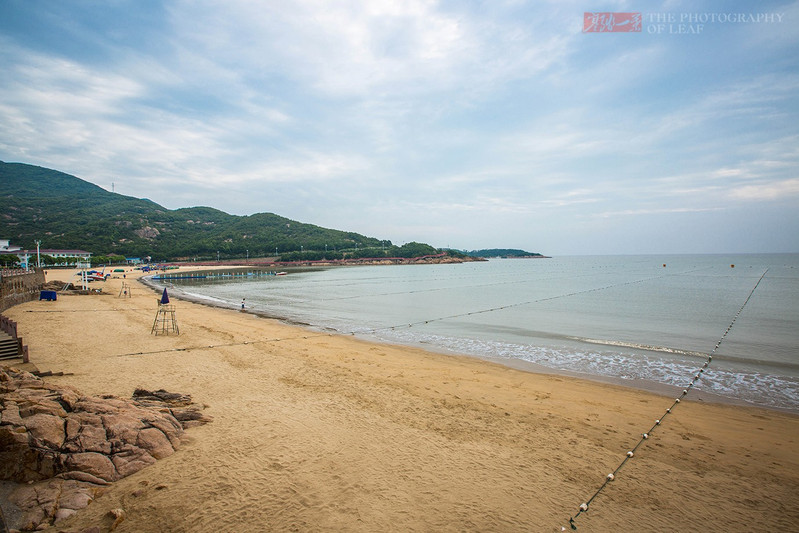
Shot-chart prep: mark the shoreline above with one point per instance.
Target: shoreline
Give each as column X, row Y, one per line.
column 320, row 432
column 662, row 389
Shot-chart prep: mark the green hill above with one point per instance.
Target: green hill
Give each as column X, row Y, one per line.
column 65, row 212
column 501, row 252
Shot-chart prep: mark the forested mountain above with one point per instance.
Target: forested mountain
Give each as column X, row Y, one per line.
column 65, row 212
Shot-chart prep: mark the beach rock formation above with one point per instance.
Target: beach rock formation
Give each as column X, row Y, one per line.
column 63, row 447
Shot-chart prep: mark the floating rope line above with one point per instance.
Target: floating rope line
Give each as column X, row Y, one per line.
column 436, row 289
column 223, row 345
column 645, row 436
column 400, row 326
column 88, row 310
column 529, row 302
column 481, row 285
column 371, row 331
column 375, row 330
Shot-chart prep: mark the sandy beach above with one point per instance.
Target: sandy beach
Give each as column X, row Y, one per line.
column 314, row 432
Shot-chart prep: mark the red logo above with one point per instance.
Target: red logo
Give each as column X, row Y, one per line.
column 611, row 22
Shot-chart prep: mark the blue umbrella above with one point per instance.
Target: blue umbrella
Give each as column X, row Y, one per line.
column 164, row 298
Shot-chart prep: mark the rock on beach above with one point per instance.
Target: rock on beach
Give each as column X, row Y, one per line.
column 59, row 448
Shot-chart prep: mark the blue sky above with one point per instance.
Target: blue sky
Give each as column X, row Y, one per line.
column 462, row 124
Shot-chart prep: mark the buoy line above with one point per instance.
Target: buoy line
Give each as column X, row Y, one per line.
column 88, row 310
column 436, row 289
column 645, row 436
column 385, row 328
column 529, row 302
column 402, row 326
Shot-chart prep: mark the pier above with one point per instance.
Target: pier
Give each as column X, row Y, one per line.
column 215, row 274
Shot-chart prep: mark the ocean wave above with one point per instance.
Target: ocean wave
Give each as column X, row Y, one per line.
column 206, row 298
column 637, row 346
column 753, row 387
column 749, row 361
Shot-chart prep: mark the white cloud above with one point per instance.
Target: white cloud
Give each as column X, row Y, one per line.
column 656, row 211
column 777, row 190
column 450, row 119
column 373, row 49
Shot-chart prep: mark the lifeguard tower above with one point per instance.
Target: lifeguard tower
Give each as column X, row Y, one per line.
column 125, row 291
column 165, row 322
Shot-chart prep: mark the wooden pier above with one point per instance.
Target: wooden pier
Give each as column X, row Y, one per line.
column 214, row 274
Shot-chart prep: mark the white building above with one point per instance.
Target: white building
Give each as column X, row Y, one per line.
column 5, row 246
column 28, row 258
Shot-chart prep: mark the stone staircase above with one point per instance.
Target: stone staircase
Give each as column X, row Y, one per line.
column 10, row 348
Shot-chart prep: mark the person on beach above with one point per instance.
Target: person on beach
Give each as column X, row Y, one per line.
column 242, row 303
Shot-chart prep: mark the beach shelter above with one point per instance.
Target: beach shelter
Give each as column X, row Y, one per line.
column 164, row 298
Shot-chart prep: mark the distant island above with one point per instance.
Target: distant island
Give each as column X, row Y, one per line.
column 509, row 253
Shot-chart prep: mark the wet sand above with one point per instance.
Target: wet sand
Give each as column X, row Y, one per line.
column 314, row 432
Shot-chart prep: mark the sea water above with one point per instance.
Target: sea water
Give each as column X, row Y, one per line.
column 644, row 320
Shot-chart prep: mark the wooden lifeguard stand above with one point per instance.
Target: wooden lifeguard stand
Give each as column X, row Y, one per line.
column 165, row 322
column 125, row 291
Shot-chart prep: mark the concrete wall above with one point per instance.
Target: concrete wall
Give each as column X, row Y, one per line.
column 19, row 286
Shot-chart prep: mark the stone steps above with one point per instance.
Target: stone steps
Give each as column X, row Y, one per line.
column 9, row 347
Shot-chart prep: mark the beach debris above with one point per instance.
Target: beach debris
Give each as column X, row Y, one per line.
column 118, row 515
column 63, row 448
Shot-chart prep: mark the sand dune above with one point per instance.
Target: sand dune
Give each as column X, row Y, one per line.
column 314, row 432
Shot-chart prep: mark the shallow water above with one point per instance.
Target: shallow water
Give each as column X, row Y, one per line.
column 622, row 317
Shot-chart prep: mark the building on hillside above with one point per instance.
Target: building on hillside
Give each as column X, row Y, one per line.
column 5, row 246
column 28, row 258
column 5, row 250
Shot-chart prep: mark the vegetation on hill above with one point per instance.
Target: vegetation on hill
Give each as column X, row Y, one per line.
column 65, row 212
column 501, row 252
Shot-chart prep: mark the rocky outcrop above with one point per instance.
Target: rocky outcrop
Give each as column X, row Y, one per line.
column 147, row 232
column 64, row 446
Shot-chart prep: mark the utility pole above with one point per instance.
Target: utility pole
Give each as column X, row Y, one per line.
column 38, row 257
